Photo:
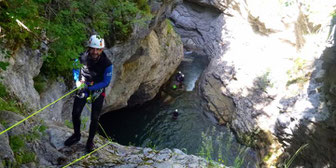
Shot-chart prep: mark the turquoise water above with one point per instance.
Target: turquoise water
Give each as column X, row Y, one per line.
column 193, row 131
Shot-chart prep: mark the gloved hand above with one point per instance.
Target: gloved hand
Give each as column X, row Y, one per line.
column 78, row 84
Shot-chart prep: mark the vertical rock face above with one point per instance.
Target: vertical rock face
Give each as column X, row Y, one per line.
column 166, row 51
column 148, row 64
column 54, row 112
column 18, row 78
column 220, row 104
column 200, row 28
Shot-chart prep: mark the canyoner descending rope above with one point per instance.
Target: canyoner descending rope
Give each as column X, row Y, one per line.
column 16, row 124
column 83, row 157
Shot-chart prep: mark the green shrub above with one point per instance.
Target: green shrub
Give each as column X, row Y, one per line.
column 170, row 27
column 212, row 146
column 264, row 81
column 3, row 91
column 42, row 128
column 67, row 25
column 84, row 120
column 25, row 157
column 17, row 143
column 11, row 103
column 298, row 74
column 3, row 65
column 68, row 124
column 34, row 134
column 143, row 6
column 27, row 12
column 40, row 83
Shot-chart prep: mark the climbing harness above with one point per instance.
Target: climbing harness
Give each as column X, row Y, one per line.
column 40, row 110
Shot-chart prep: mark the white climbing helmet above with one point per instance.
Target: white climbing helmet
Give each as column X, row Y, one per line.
column 96, row 41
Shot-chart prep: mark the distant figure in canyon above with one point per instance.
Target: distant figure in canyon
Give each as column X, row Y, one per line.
column 179, row 79
column 175, row 114
column 93, row 77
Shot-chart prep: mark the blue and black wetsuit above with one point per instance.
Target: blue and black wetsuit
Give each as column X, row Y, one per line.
column 97, row 74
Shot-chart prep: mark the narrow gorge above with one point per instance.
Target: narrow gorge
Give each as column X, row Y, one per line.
column 259, row 85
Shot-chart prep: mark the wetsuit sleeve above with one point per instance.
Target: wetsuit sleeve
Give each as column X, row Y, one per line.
column 106, row 80
column 75, row 72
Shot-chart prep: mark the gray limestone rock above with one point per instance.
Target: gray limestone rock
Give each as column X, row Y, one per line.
column 218, row 103
column 200, row 28
column 141, row 68
column 55, row 111
column 18, row 78
column 57, row 136
column 6, row 151
column 11, row 118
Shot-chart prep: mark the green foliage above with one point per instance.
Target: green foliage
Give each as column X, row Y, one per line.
column 68, row 124
column 10, row 103
column 170, row 27
column 143, row 6
column 299, row 80
column 25, row 157
column 27, row 12
column 40, row 83
column 298, row 75
column 125, row 14
column 6, row 53
column 287, row 3
column 9, row 106
column 84, row 121
column 21, row 153
column 206, row 148
column 291, row 159
column 42, row 128
column 16, row 142
column 3, row 123
column 67, row 24
column 264, row 81
column 333, row 14
column 212, row 146
column 3, row 65
column 150, row 144
column 36, row 133
column 3, row 91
